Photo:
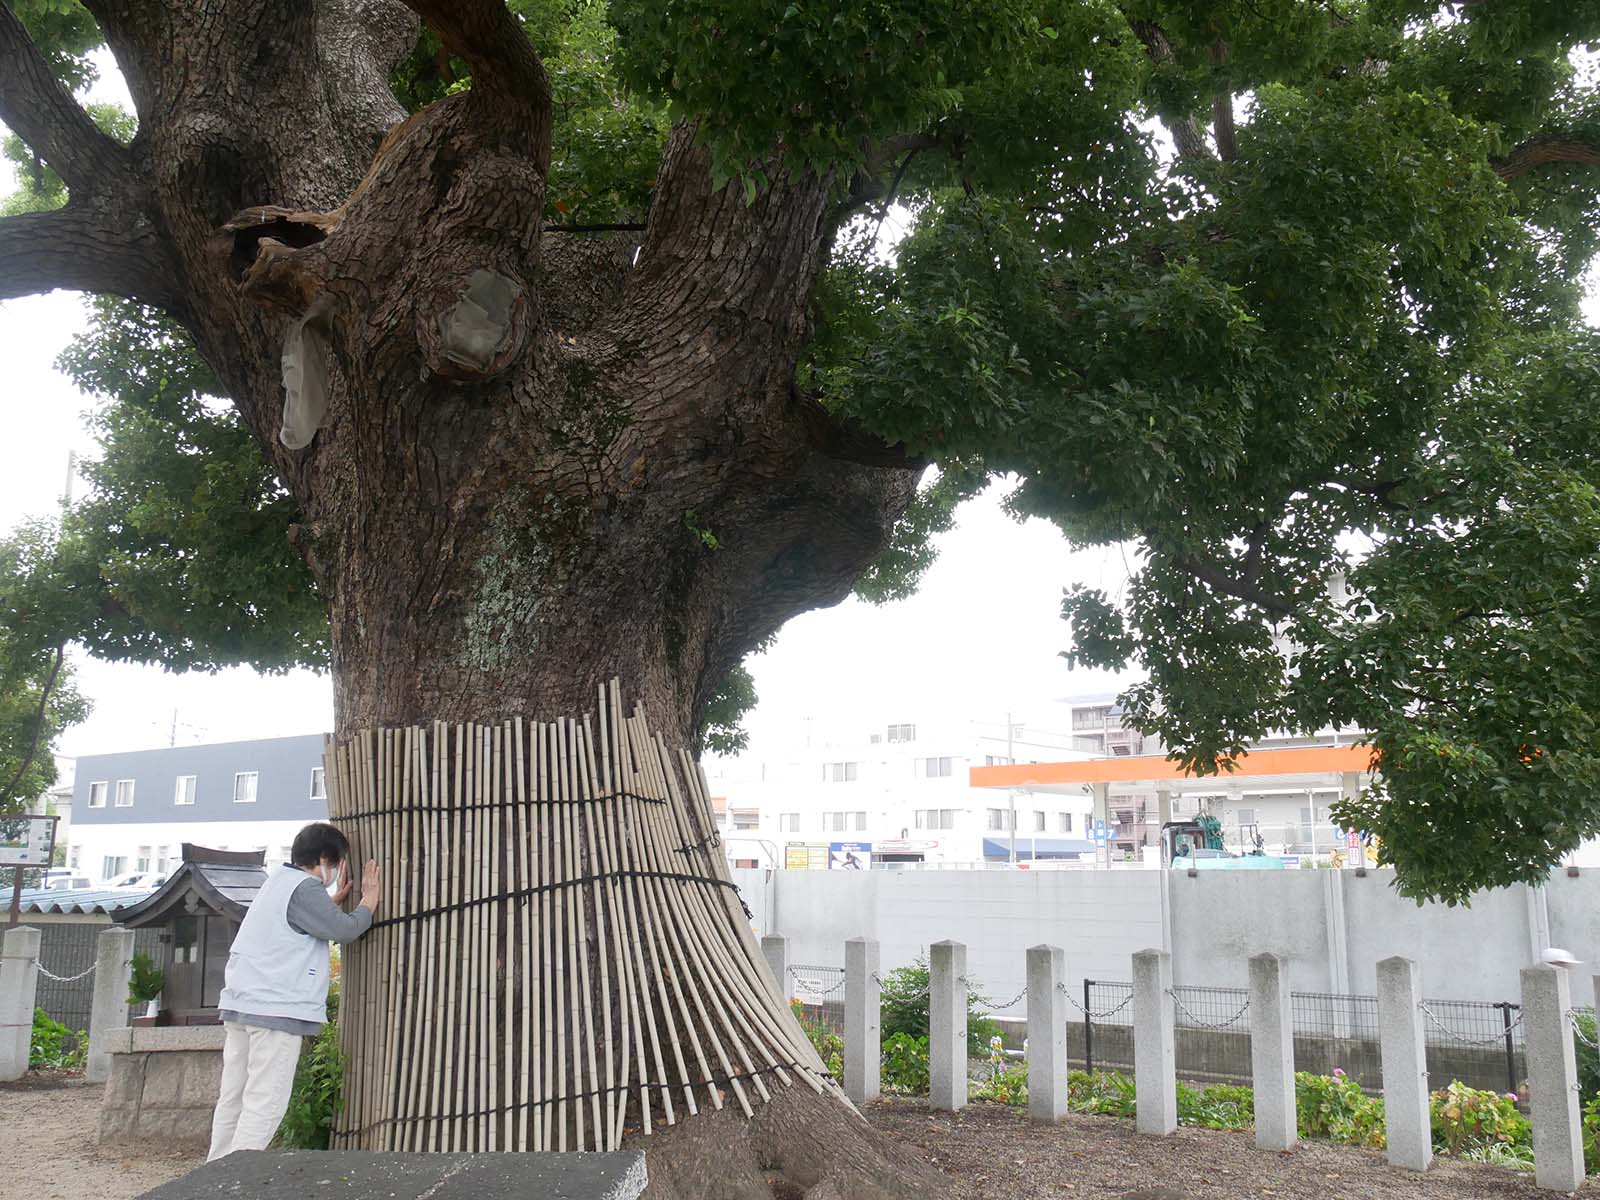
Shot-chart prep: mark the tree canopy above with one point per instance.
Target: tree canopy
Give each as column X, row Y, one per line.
column 1287, row 293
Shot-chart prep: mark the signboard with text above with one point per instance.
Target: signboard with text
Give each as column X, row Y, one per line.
column 850, row 856
column 26, row 841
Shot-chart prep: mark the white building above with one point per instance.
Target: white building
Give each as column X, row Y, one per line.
column 893, row 794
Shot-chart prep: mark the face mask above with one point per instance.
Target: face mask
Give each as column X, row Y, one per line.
column 330, row 879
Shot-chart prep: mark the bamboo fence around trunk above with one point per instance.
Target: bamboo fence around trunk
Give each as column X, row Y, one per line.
column 560, row 956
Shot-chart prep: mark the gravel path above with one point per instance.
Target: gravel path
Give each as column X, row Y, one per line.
column 47, row 1152
column 988, row 1150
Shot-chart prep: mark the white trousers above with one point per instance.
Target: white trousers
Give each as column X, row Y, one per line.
column 257, row 1077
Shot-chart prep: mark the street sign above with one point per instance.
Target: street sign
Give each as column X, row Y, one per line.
column 850, row 856
column 26, row 841
column 1100, row 831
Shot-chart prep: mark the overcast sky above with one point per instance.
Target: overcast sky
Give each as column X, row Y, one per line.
column 981, row 638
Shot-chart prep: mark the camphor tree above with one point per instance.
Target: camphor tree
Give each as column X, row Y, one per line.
column 560, row 347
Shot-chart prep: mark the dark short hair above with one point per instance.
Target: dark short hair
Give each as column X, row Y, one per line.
column 316, row 842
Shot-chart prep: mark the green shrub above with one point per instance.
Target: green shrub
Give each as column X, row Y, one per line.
column 1008, row 1084
column 146, row 982
column 1467, row 1119
column 318, row 1082
column 905, row 1064
column 55, row 1046
column 828, row 1044
column 1591, row 1136
column 1584, row 1042
column 1220, row 1106
column 1335, row 1107
column 903, row 1001
column 1108, row 1092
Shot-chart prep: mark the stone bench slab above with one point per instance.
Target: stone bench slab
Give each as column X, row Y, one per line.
column 365, row 1175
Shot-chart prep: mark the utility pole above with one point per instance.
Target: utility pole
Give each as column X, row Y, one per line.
column 1011, row 793
column 72, row 472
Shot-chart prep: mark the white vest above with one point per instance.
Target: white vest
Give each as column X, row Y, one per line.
column 272, row 970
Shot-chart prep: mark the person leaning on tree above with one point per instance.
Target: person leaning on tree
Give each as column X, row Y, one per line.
column 275, row 992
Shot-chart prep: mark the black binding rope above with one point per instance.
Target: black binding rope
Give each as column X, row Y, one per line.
column 507, row 1110
column 710, row 842
column 506, row 805
column 520, row 893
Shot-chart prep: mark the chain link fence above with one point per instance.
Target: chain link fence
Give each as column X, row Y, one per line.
column 820, row 994
column 66, row 959
column 1480, row 1043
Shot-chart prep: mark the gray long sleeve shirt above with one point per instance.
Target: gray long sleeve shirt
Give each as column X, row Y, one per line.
column 314, row 914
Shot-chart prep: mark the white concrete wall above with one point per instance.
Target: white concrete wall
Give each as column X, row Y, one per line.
column 1333, row 927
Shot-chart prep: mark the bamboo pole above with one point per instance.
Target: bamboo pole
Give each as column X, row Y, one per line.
column 547, row 1110
column 529, row 974
column 605, row 922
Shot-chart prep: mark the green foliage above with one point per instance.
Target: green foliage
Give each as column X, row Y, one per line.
column 55, row 1046
column 1218, row 1106
column 905, row 1064
column 1007, row 1084
column 1591, row 1136
column 1334, row 1107
column 1467, row 1120
column 146, row 982
column 38, row 699
column 828, row 1044
column 318, row 1083
column 903, row 999
column 1583, row 1045
column 1108, row 1093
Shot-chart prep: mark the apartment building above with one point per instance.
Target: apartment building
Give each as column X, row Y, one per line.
column 133, row 811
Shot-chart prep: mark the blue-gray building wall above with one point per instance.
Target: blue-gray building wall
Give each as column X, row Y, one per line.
column 283, row 785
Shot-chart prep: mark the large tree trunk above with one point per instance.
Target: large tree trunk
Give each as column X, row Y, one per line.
column 616, row 479
column 561, row 962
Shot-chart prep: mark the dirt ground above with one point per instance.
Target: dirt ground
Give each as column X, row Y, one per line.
column 47, row 1152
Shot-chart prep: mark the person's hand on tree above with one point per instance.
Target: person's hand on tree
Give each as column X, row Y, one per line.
column 369, row 886
column 341, row 883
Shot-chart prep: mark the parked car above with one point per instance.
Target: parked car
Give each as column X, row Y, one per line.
column 62, row 879
column 147, row 881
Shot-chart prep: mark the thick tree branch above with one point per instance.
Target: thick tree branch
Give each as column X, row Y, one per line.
column 838, row 438
column 1187, row 135
column 1539, row 151
column 86, row 248
column 1222, row 107
column 359, row 43
column 1229, row 585
column 508, row 79
column 867, row 184
column 38, row 108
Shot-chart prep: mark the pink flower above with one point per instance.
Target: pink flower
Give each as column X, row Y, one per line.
column 1511, row 1095
column 1337, row 1073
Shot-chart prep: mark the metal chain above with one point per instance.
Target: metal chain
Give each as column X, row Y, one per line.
column 1010, row 1002
column 1097, row 1016
column 1577, row 1031
column 66, row 978
column 1493, row 1039
column 1197, row 1023
column 805, row 985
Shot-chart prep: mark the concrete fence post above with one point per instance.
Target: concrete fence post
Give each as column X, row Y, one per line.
column 1272, row 1054
column 862, row 1020
column 1552, row 1078
column 19, row 990
column 947, row 1025
column 1155, row 1055
column 1047, row 1033
column 1402, row 1049
column 775, row 948
column 113, row 975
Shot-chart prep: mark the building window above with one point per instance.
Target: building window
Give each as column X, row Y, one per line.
column 283, row 854
column 902, row 733
column 244, row 787
column 1247, row 816
column 183, row 792
column 746, row 818
column 936, row 818
column 112, row 866
column 748, row 864
column 74, row 857
column 124, row 793
column 1065, row 822
column 319, row 786
column 839, row 822
column 167, row 859
column 141, row 863
column 998, row 818
column 861, row 821
column 936, row 768
column 997, row 760
column 1038, row 821
column 839, row 772
column 97, row 794
column 788, row 822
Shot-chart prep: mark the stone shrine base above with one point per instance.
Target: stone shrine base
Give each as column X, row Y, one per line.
column 163, row 1085
column 366, row 1175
